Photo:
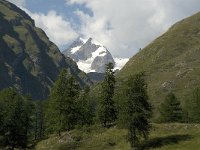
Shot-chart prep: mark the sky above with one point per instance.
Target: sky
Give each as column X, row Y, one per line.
column 123, row 26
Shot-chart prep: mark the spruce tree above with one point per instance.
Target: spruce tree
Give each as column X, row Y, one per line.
column 85, row 108
column 193, row 106
column 39, row 126
column 170, row 109
column 16, row 119
column 139, row 110
column 62, row 113
column 107, row 112
column 71, row 103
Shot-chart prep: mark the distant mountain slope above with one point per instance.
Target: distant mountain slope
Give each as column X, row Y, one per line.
column 96, row 77
column 171, row 62
column 28, row 60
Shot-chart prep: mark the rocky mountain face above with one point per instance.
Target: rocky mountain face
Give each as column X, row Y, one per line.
column 171, row 62
column 30, row 62
column 90, row 55
column 96, row 77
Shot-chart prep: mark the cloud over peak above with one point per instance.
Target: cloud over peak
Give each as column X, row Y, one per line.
column 123, row 26
column 57, row 28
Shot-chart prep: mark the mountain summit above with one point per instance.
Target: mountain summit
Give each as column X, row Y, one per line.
column 90, row 55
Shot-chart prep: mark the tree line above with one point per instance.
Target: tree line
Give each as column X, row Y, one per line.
column 24, row 121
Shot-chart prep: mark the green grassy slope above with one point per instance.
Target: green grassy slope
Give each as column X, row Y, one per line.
column 29, row 61
column 171, row 62
column 162, row 137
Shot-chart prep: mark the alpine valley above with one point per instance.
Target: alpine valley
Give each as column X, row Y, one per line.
column 69, row 100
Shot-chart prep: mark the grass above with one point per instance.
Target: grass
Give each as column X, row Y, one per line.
column 162, row 137
column 171, row 62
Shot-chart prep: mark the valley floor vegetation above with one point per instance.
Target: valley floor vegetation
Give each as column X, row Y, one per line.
column 73, row 119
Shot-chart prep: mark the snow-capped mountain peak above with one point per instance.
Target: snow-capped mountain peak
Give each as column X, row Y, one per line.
column 83, row 40
column 90, row 55
column 96, row 42
column 75, row 49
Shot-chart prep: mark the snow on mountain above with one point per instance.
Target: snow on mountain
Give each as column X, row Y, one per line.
column 75, row 49
column 83, row 40
column 91, row 56
column 96, row 42
column 76, row 45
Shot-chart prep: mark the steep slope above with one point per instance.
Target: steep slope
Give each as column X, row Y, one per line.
column 171, row 62
column 90, row 55
column 28, row 60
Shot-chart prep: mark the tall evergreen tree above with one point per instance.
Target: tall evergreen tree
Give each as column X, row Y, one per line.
column 170, row 109
column 139, row 110
column 193, row 106
column 16, row 119
column 39, row 120
column 62, row 113
column 107, row 112
column 85, row 108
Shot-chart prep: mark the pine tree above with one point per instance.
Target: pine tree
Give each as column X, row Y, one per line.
column 107, row 112
column 62, row 112
column 193, row 106
column 71, row 106
column 170, row 109
column 139, row 110
column 85, row 108
column 39, row 120
column 16, row 119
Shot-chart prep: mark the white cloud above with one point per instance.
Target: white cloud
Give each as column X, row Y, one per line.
column 120, row 62
column 19, row 3
column 56, row 27
column 124, row 26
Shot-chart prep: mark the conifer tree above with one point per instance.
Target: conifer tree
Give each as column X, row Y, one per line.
column 170, row 109
column 39, row 120
column 193, row 106
column 107, row 112
column 62, row 113
column 139, row 110
column 85, row 108
column 16, row 119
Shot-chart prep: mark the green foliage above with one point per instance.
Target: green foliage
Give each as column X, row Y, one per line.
column 16, row 121
column 107, row 112
column 193, row 107
column 40, row 122
column 86, row 110
column 139, row 110
column 170, row 109
column 62, row 112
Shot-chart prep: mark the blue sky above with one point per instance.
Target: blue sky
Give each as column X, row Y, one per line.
column 60, row 6
column 123, row 26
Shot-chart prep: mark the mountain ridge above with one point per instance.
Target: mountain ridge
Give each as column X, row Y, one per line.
column 90, row 55
column 171, row 61
column 29, row 60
